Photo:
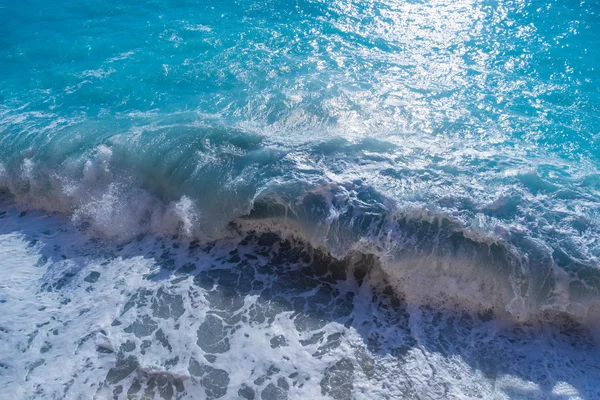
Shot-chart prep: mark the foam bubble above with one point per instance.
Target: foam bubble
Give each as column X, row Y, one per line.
column 252, row 316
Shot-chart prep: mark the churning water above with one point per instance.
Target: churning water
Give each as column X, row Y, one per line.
column 300, row 199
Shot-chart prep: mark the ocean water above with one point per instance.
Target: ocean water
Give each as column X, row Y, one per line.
column 300, row 199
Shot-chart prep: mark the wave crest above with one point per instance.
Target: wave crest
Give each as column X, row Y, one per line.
column 427, row 254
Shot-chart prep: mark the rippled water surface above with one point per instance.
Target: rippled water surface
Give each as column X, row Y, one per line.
column 283, row 199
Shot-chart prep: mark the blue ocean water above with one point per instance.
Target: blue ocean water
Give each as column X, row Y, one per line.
column 454, row 144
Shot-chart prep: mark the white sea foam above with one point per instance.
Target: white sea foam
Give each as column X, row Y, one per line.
column 426, row 255
column 238, row 317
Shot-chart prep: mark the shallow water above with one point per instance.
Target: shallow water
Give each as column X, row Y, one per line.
column 252, row 317
column 361, row 199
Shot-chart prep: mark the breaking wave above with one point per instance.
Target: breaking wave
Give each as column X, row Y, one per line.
column 206, row 183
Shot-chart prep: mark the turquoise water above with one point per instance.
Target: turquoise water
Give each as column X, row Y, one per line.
column 455, row 144
column 348, row 118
